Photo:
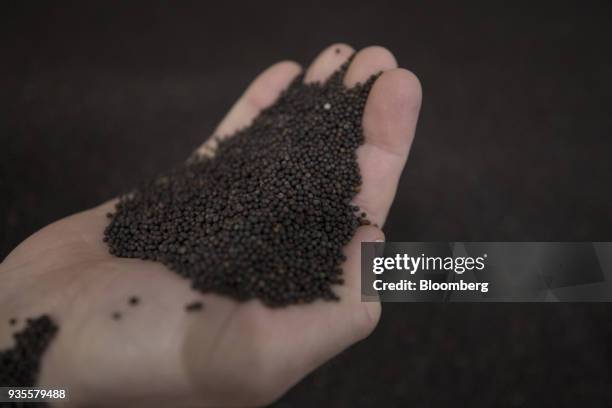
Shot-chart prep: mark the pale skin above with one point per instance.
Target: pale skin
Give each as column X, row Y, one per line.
column 230, row 353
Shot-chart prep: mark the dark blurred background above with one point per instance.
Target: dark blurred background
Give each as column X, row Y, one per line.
column 513, row 144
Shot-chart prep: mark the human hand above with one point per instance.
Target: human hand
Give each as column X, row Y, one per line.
column 232, row 353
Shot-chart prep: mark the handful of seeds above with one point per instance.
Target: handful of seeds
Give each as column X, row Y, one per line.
column 269, row 215
column 19, row 365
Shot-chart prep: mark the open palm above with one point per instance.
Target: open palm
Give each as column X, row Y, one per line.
column 231, row 353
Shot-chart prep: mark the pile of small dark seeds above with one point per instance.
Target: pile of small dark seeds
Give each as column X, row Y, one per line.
column 268, row 216
column 19, row 365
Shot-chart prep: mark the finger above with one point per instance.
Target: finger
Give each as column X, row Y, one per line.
column 367, row 62
column 389, row 123
column 327, row 62
column 262, row 93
